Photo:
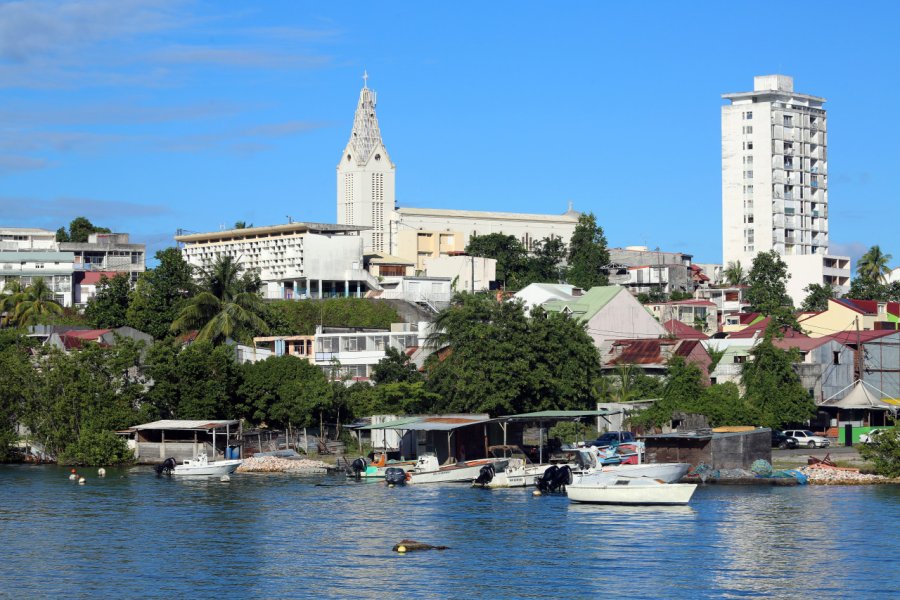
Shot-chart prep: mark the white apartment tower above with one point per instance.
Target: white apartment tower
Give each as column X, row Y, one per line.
column 775, row 183
column 365, row 177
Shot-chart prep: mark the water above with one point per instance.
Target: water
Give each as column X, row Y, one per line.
column 133, row 535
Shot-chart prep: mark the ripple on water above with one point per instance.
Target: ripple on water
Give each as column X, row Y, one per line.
column 133, row 534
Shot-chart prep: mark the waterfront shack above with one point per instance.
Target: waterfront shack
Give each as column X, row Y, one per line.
column 461, row 437
column 718, row 449
column 183, row 440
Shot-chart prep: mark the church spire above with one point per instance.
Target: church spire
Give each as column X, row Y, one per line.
column 365, row 135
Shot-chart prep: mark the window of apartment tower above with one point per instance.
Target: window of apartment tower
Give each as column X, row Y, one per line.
column 748, row 115
column 748, row 145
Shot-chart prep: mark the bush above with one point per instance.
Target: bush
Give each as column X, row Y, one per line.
column 572, row 431
column 96, row 449
column 884, row 453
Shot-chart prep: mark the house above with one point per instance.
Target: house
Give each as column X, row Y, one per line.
column 538, row 294
column 876, row 360
column 844, row 314
column 681, row 331
column 735, row 352
column 728, row 300
column 825, row 367
column 74, row 339
column 610, row 313
column 432, row 293
column 351, row 353
column 181, row 439
column 643, row 270
column 381, row 264
column 469, row 273
column 653, row 356
column 701, row 315
column 86, row 284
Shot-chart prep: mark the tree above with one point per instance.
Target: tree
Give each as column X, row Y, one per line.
column 79, row 230
column 228, row 307
column 546, row 263
column 587, row 254
column 874, row 265
column 772, row 386
column 734, row 273
column 506, row 249
column 767, row 294
column 262, row 399
column 684, row 385
column 242, row 225
column 290, row 317
column 301, row 399
column 395, row 367
column 884, row 452
column 34, row 305
column 493, row 358
column 817, row 297
column 109, row 306
column 159, row 294
column 16, row 378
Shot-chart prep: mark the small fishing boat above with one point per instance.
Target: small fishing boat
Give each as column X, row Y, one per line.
column 376, row 468
column 428, row 470
column 201, row 467
column 611, row 488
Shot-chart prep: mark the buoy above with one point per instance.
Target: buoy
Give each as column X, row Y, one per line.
column 536, row 493
column 81, row 481
column 225, row 478
column 73, row 476
column 101, row 472
column 390, row 485
column 401, row 549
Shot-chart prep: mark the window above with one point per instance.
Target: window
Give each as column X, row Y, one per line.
column 748, row 115
column 748, row 190
column 748, row 219
column 748, row 145
column 835, row 358
column 739, row 360
column 748, row 129
column 748, row 174
column 748, row 160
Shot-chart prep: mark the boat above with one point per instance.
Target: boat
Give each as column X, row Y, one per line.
column 376, row 469
column 611, row 488
column 667, row 472
column 201, row 467
column 428, row 470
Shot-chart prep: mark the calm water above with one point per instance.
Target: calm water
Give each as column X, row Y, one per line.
column 133, row 535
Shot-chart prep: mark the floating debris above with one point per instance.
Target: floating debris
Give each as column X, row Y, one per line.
column 409, row 545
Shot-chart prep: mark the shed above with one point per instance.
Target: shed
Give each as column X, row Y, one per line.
column 720, row 450
column 459, row 436
column 181, row 439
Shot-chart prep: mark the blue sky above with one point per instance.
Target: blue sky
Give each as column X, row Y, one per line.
column 151, row 115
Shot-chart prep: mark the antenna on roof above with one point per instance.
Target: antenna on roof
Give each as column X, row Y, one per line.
column 290, row 218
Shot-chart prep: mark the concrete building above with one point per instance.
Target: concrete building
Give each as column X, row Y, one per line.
column 27, row 239
column 696, row 314
column 643, row 270
column 775, row 183
column 365, row 177
column 295, row 260
column 108, row 252
column 352, row 353
column 56, row 268
column 366, row 197
column 844, row 314
column 468, row 273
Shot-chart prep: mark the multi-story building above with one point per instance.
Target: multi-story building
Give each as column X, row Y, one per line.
column 775, row 183
column 643, row 270
column 352, row 353
column 55, row 268
column 294, row 260
column 366, row 197
column 27, row 239
column 112, row 252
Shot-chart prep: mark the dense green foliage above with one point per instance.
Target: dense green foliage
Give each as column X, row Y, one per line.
column 15, row 379
column 817, row 297
column 884, row 453
column 772, row 387
column 587, row 254
column 79, row 230
column 293, row 317
column 874, row 265
column 863, row 288
column 108, row 308
column 501, row 362
column 395, row 367
column 33, row 305
column 681, row 393
column 767, row 294
column 509, row 252
column 735, row 274
column 159, row 294
column 282, row 391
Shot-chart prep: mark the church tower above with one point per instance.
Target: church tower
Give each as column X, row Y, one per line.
column 365, row 177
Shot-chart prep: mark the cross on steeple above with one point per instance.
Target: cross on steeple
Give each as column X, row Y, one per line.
column 365, row 79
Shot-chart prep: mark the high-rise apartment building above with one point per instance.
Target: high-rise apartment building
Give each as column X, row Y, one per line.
column 775, row 183
column 365, row 177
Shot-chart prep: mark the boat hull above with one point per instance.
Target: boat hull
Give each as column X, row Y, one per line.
column 213, row 469
column 517, row 476
column 621, row 491
column 668, row 472
column 455, row 473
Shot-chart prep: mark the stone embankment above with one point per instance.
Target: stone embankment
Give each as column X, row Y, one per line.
column 827, row 475
column 274, row 464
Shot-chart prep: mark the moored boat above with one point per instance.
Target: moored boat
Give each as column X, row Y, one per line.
column 201, row 467
column 428, row 470
column 618, row 489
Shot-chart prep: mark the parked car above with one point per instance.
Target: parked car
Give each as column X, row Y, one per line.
column 612, row 437
column 780, row 440
column 871, row 436
column 807, row 438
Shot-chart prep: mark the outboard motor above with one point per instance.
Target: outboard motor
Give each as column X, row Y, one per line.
column 485, row 475
column 165, row 467
column 395, row 476
column 545, row 480
column 555, row 479
column 358, row 466
column 564, row 477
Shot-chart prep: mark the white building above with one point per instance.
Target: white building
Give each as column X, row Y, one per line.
column 775, row 183
column 108, row 252
column 27, row 239
column 295, row 260
column 365, row 177
column 56, row 269
column 352, row 353
column 366, row 197
column 468, row 273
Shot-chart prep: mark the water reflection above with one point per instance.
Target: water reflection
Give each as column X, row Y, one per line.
column 133, row 534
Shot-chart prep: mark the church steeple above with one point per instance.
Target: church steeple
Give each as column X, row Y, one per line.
column 365, row 135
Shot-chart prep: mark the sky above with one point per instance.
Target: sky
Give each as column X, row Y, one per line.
column 153, row 116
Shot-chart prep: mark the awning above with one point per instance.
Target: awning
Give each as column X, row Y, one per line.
column 430, row 423
column 171, row 424
column 558, row 415
column 860, row 398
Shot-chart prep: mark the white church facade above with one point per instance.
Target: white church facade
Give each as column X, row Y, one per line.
column 366, row 197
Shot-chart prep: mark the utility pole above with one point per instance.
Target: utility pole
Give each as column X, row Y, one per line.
column 859, row 355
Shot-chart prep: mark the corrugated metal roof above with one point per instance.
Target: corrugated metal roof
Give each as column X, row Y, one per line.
column 28, row 256
column 204, row 425
column 683, row 331
column 588, row 304
column 557, row 415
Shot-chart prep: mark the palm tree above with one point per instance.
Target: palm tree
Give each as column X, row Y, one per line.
column 33, row 304
column 228, row 306
column 873, row 265
column 12, row 291
column 735, row 274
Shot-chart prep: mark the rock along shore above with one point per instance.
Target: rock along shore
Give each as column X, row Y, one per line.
column 274, row 464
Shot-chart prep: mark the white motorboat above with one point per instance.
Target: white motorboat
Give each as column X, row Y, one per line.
column 617, row 489
column 201, row 467
column 667, row 472
column 428, row 470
